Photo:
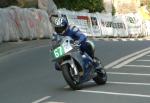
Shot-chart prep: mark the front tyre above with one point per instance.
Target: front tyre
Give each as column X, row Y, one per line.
column 72, row 81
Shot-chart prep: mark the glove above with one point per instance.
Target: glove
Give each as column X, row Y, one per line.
column 77, row 42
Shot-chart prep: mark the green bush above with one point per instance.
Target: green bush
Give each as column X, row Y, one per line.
column 6, row 3
column 148, row 5
column 91, row 5
column 28, row 4
column 113, row 10
column 20, row 3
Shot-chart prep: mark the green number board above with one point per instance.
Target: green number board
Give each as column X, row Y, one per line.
column 58, row 52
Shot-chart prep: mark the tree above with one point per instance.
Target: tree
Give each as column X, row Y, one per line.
column 28, row 3
column 6, row 3
column 148, row 5
column 91, row 5
column 113, row 10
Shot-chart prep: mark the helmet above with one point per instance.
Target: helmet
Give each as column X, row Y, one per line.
column 60, row 25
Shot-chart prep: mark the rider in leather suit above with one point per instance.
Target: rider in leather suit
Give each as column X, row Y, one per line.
column 62, row 28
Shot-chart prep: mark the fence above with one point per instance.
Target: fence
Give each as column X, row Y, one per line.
column 104, row 25
column 27, row 24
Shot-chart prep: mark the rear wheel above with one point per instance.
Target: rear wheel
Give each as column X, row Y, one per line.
column 101, row 77
column 71, row 79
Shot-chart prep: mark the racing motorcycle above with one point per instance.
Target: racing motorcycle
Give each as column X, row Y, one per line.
column 77, row 67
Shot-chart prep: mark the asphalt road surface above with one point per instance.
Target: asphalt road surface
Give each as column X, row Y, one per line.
column 27, row 75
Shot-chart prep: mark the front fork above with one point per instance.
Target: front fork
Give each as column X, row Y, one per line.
column 73, row 66
column 74, row 72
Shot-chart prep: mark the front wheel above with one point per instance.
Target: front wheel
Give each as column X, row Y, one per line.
column 73, row 81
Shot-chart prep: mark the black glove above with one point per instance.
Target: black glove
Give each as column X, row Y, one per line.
column 77, row 42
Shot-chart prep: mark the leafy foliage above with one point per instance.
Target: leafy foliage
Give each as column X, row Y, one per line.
column 28, row 4
column 21, row 3
column 6, row 3
column 113, row 10
column 91, row 5
column 148, row 5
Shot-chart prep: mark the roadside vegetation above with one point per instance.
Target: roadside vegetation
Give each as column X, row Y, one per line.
column 6, row 3
column 148, row 5
column 91, row 5
column 77, row 5
column 20, row 3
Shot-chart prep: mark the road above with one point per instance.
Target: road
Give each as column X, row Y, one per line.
column 27, row 75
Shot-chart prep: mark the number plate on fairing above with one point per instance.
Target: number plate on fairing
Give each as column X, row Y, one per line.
column 61, row 50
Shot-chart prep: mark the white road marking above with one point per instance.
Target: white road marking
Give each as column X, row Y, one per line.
column 54, row 102
column 127, row 83
column 121, row 83
column 115, row 39
column 134, row 74
column 124, row 58
column 121, row 39
column 143, row 60
column 42, row 99
column 131, row 59
column 132, row 39
column 115, row 93
column 67, row 86
column 124, row 40
column 145, row 66
column 140, row 39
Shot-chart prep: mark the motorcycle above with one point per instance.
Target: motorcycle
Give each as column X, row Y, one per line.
column 77, row 67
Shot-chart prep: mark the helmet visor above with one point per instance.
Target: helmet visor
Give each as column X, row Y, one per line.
column 59, row 29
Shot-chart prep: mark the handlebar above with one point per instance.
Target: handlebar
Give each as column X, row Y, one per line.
column 77, row 45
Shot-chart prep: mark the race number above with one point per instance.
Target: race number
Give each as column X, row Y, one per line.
column 61, row 50
column 58, row 52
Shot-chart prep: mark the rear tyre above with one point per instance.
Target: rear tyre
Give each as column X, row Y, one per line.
column 101, row 77
column 71, row 80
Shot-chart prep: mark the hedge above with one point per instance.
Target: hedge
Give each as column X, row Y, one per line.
column 91, row 5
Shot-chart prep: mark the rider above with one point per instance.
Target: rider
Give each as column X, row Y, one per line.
column 62, row 28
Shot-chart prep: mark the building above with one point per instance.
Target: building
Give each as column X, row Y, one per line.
column 108, row 5
column 126, row 6
column 144, row 2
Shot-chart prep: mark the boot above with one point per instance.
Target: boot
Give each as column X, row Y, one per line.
column 97, row 63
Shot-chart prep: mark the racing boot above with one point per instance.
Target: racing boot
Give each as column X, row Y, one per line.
column 97, row 63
